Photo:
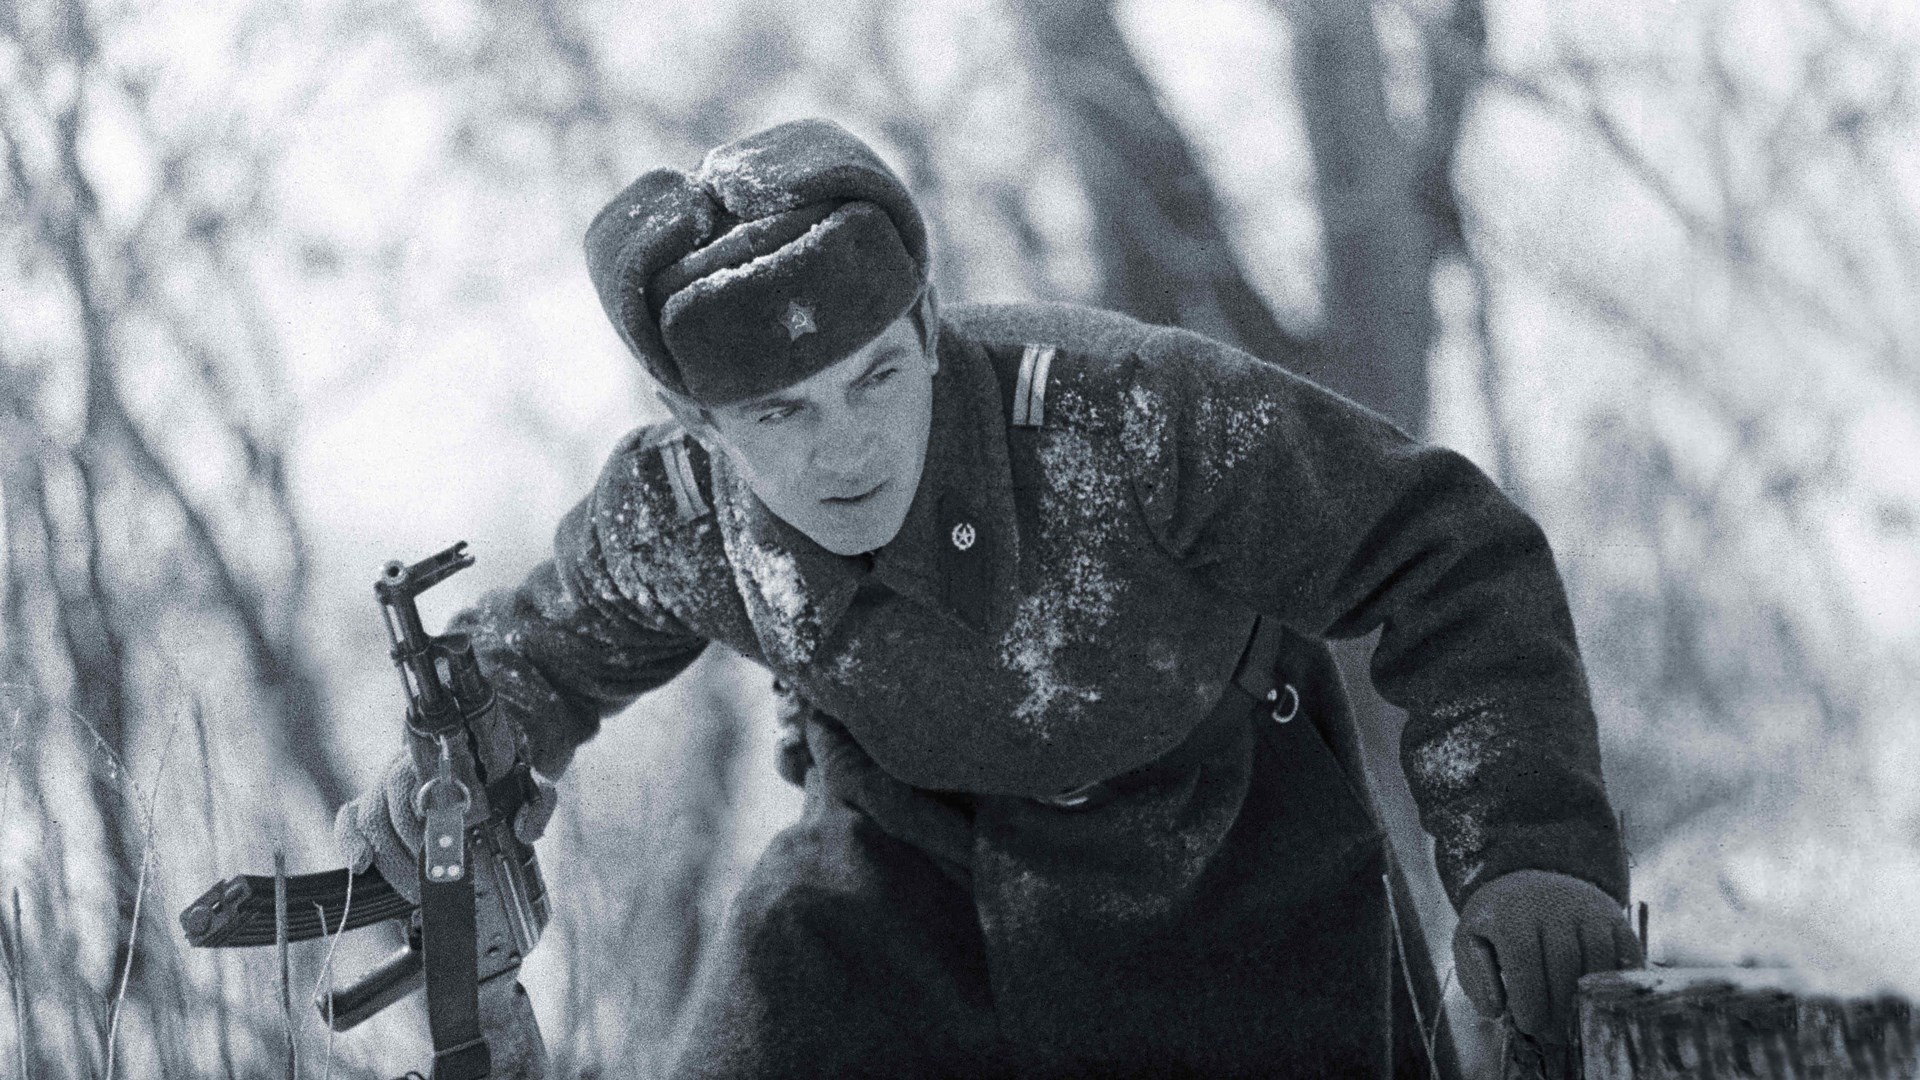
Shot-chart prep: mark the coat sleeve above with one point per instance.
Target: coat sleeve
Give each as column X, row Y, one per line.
column 1311, row 509
column 576, row 641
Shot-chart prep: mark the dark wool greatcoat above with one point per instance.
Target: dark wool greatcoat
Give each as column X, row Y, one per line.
column 1066, row 604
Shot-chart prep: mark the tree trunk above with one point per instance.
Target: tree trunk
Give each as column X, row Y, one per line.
column 1704, row 1022
column 1379, row 238
column 1163, row 255
column 1388, row 214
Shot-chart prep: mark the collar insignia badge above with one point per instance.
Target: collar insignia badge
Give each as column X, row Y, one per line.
column 799, row 320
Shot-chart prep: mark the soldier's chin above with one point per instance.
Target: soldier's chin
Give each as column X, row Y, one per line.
column 854, row 533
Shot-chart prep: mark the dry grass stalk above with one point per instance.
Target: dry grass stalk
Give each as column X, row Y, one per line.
column 140, row 885
column 12, row 937
column 1440, row 1016
column 11, row 940
column 326, row 968
column 223, row 1021
column 1406, row 972
column 280, row 949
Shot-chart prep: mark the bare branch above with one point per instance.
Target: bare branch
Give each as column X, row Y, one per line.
column 109, row 424
column 1737, row 250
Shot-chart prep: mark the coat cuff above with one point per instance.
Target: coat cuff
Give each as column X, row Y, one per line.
column 1588, row 850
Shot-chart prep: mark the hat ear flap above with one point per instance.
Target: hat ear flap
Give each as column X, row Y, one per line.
column 926, row 319
column 655, row 221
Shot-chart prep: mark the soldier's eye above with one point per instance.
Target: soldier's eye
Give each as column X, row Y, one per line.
column 775, row 415
column 882, row 375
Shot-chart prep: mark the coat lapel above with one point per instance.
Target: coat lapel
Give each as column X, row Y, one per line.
column 958, row 550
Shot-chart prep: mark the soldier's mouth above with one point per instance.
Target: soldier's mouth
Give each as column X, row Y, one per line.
column 854, row 500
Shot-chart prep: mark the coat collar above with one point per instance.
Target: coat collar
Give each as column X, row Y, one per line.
column 956, row 554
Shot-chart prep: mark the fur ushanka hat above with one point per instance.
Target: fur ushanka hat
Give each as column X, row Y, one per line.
column 787, row 250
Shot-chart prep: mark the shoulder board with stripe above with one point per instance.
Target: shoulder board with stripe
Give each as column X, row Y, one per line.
column 1030, row 389
column 687, row 499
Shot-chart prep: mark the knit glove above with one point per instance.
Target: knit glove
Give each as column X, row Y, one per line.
column 1524, row 940
column 380, row 829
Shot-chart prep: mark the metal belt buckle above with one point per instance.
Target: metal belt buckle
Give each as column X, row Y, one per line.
column 1073, row 798
column 1284, row 711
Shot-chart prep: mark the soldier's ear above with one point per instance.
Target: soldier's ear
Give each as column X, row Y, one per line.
column 691, row 414
column 926, row 320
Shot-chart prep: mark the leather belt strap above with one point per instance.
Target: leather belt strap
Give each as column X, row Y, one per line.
column 453, row 989
column 1255, row 673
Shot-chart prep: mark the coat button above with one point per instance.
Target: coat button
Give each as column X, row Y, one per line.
column 1284, row 711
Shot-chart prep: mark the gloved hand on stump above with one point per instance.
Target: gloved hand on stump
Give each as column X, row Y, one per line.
column 1523, row 942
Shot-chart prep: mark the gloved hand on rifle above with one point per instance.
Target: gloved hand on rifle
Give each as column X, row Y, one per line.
column 1524, row 940
column 380, row 828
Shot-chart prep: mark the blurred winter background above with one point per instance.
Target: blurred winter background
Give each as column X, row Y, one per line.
column 290, row 290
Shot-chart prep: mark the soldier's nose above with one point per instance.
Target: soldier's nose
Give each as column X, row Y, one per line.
column 846, row 455
column 850, row 483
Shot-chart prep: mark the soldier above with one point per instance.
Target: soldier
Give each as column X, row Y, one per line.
column 1049, row 589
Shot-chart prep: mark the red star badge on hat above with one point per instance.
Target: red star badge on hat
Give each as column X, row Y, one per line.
column 799, row 320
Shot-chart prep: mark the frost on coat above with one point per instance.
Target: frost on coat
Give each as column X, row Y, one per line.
column 1177, row 488
column 1320, row 513
column 1084, row 502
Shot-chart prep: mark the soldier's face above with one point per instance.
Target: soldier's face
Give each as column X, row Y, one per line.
column 839, row 454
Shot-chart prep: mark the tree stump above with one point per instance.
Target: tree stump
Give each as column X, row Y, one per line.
column 1738, row 1022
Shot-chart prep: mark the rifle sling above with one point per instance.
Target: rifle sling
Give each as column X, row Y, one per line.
column 453, row 989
